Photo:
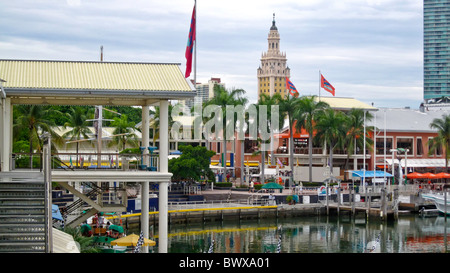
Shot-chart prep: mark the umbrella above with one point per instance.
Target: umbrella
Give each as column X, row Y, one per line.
column 443, row 175
column 272, row 185
column 131, row 240
column 430, row 175
column 415, row 175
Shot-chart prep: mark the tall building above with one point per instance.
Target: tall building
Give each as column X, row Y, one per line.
column 205, row 91
column 273, row 70
column 436, row 23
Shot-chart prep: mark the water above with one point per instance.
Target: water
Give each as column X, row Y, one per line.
column 410, row 234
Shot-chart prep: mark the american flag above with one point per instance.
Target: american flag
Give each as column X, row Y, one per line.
column 140, row 242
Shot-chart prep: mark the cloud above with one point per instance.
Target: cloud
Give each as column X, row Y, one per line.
column 360, row 45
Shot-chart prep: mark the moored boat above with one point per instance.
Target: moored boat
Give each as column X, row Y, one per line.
column 439, row 201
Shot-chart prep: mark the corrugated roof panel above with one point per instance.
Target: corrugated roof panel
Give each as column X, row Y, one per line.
column 346, row 103
column 92, row 75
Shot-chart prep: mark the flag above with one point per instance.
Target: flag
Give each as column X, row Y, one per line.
column 190, row 46
column 292, row 90
column 326, row 85
column 140, row 242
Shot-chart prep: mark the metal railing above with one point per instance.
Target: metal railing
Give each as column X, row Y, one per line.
column 208, row 204
column 83, row 161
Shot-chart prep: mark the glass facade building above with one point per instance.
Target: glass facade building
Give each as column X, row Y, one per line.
column 436, row 49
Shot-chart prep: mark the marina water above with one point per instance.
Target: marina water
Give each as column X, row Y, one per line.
column 321, row 234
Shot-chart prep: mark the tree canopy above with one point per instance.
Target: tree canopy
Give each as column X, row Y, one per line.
column 192, row 165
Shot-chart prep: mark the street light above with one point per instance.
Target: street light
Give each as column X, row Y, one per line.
column 404, row 151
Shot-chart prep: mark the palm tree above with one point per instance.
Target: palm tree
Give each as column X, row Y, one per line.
column 355, row 133
column 331, row 130
column 289, row 105
column 77, row 121
column 155, row 124
column 268, row 101
column 308, row 109
column 32, row 118
column 123, row 132
column 442, row 125
column 224, row 98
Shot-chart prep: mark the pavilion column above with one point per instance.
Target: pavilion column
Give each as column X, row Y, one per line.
column 163, row 168
column 5, row 134
column 145, row 185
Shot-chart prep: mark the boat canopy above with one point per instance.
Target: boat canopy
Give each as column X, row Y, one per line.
column 370, row 174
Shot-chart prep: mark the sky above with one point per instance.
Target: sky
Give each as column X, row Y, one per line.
column 370, row 50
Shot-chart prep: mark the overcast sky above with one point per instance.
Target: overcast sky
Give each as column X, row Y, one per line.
column 371, row 50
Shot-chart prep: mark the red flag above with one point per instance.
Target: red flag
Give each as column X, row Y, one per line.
column 292, row 90
column 190, row 46
column 326, row 85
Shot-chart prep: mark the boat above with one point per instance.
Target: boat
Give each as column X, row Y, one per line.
column 103, row 234
column 439, row 201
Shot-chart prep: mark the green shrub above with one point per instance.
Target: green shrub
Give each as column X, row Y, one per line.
column 223, row 184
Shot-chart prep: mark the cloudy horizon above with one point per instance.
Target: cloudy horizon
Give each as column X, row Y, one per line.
column 371, row 50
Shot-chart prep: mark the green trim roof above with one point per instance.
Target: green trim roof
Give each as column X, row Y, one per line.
column 81, row 75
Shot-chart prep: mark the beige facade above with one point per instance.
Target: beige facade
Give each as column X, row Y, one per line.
column 273, row 70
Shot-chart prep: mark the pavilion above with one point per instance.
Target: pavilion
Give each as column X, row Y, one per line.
column 98, row 83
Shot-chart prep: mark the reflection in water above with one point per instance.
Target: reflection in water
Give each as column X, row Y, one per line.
column 410, row 234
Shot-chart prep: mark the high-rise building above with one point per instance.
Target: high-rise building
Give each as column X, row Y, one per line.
column 436, row 21
column 205, row 91
column 273, row 70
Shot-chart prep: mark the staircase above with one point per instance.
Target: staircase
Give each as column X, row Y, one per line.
column 22, row 213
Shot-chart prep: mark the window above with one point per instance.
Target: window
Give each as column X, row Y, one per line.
column 406, row 143
column 437, row 151
column 380, row 145
column 419, row 149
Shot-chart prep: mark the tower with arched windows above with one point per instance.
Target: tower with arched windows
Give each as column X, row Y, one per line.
column 273, row 70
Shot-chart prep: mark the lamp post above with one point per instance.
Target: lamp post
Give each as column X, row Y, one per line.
column 400, row 150
column 405, row 151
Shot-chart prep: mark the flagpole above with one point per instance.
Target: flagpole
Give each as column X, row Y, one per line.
column 319, row 83
column 195, row 47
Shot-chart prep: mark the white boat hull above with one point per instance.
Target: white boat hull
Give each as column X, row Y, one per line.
column 439, row 202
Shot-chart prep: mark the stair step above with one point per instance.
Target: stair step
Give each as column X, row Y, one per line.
column 13, row 228
column 17, row 238
column 21, row 219
column 22, row 210
column 28, row 247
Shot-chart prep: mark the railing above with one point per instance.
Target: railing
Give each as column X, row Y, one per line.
column 207, row 204
column 192, row 189
column 84, row 161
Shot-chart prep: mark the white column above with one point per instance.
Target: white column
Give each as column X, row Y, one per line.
column 145, row 132
column 145, row 185
column 5, row 134
column 164, row 168
column 145, row 212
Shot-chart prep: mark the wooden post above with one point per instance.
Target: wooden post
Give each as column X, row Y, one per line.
column 445, row 205
column 338, row 199
column 383, row 201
